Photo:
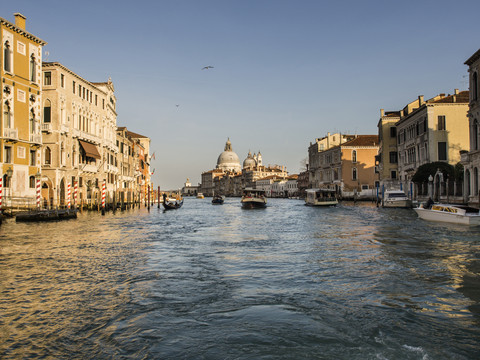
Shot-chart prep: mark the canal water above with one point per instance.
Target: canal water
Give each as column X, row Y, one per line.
column 219, row 282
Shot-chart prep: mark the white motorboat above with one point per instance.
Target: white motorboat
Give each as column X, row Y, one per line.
column 253, row 198
column 396, row 199
column 457, row 214
column 200, row 196
column 321, row 197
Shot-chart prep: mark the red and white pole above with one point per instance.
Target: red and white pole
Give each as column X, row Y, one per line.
column 103, row 195
column 69, row 196
column 75, row 191
column 38, row 187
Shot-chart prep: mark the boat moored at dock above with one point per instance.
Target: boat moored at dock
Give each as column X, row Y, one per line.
column 321, row 197
column 457, row 214
column 396, row 199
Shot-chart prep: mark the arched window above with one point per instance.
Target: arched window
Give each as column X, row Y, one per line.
column 7, row 115
column 33, row 68
column 48, row 156
column 47, row 111
column 6, row 183
column 475, row 181
column 32, row 122
column 32, row 182
column 475, row 86
column 7, row 61
column 354, row 174
column 354, row 156
column 475, row 135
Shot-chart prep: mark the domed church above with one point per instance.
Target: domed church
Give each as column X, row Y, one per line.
column 228, row 159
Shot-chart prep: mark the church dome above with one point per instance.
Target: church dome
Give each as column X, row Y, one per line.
column 228, row 160
column 249, row 162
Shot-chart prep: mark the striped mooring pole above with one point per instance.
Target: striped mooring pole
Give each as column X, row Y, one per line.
column 103, row 198
column 38, row 187
column 69, row 196
column 75, row 192
column 1, row 193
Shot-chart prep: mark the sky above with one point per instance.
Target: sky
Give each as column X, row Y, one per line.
column 285, row 72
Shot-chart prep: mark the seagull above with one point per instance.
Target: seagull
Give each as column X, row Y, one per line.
column 207, row 67
column 177, row 105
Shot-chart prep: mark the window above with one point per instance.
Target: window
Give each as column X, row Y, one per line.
column 441, row 122
column 7, row 116
column 48, row 156
column 393, row 131
column 47, row 111
column 393, row 157
column 354, row 174
column 47, row 78
column 7, row 62
column 354, row 156
column 73, row 83
column 475, row 135
column 393, row 174
column 7, row 153
column 33, row 69
column 425, row 125
column 33, row 157
column 62, row 80
column 32, row 182
column 96, row 99
column 442, row 151
column 475, row 86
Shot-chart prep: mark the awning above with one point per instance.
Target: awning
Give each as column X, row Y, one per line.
column 90, row 149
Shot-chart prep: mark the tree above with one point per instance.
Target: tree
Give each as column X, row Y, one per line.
column 425, row 170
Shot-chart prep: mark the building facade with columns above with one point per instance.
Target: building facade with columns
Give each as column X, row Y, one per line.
column 79, row 137
column 21, row 99
column 471, row 158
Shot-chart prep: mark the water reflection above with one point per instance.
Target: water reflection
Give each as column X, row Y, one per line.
column 216, row 282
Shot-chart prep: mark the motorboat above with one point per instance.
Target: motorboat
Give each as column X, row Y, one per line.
column 457, row 214
column 200, row 196
column 396, row 199
column 218, row 199
column 321, row 197
column 253, row 198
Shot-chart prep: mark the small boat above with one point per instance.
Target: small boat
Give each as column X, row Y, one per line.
column 46, row 215
column 218, row 199
column 457, row 214
column 171, row 203
column 200, row 196
column 396, row 199
column 253, row 199
column 321, row 197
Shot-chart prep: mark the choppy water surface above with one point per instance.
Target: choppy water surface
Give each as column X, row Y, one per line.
column 219, row 282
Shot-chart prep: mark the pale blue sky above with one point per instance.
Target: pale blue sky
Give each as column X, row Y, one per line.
column 285, row 72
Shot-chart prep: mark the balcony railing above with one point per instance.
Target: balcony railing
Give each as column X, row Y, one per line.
column 36, row 138
column 64, row 128
column 47, row 127
column 89, row 168
column 10, row 134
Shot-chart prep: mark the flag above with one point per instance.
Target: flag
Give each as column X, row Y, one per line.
column 153, row 171
column 153, row 155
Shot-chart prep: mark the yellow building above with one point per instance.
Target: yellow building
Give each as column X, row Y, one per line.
column 387, row 158
column 21, row 97
column 430, row 131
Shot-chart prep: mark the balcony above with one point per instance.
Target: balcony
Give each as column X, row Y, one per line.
column 10, row 134
column 64, row 129
column 47, row 127
column 36, row 138
column 111, row 168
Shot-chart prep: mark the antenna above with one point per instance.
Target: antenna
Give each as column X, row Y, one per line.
column 46, row 54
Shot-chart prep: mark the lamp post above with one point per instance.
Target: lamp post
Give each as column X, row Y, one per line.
column 430, row 186
column 9, row 176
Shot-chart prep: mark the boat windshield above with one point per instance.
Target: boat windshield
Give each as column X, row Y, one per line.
column 397, row 195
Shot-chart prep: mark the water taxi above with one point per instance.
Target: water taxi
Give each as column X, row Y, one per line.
column 321, row 197
column 396, row 199
column 218, row 199
column 200, row 196
column 457, row 214
column 253, row 198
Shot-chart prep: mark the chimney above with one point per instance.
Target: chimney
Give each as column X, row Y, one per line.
column 382, row 113
column 401, row 113
column 20, row 20
column 420, row 100
column 456, row 91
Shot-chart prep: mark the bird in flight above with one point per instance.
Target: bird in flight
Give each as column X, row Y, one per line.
column 207, row 67
column 177, row 105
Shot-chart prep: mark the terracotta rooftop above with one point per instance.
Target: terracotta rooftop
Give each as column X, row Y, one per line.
column 363, row 140
column 461, row 97
column 135, row 135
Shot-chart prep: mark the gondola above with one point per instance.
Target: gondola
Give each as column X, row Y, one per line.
column 218, row 199
column 172, row 203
